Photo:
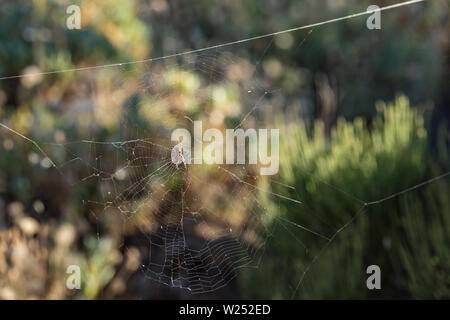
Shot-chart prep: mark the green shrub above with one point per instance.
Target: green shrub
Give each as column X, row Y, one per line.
column 335, row 178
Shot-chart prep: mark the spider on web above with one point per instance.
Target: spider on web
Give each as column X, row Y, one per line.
column 179, row 159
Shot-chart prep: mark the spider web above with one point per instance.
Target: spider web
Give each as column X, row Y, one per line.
column 202, row 223
column 192, row 243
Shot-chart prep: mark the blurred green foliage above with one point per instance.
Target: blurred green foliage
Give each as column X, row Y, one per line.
column 341, row 180
column 335, row 165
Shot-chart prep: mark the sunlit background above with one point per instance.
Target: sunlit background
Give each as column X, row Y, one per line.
column 363, row 115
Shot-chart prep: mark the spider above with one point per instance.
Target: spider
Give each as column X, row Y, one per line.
column 180, row 158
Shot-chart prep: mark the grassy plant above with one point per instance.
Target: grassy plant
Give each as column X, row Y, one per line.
column 407, row 235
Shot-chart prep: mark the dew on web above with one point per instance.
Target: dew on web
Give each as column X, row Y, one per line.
column 202, row 223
